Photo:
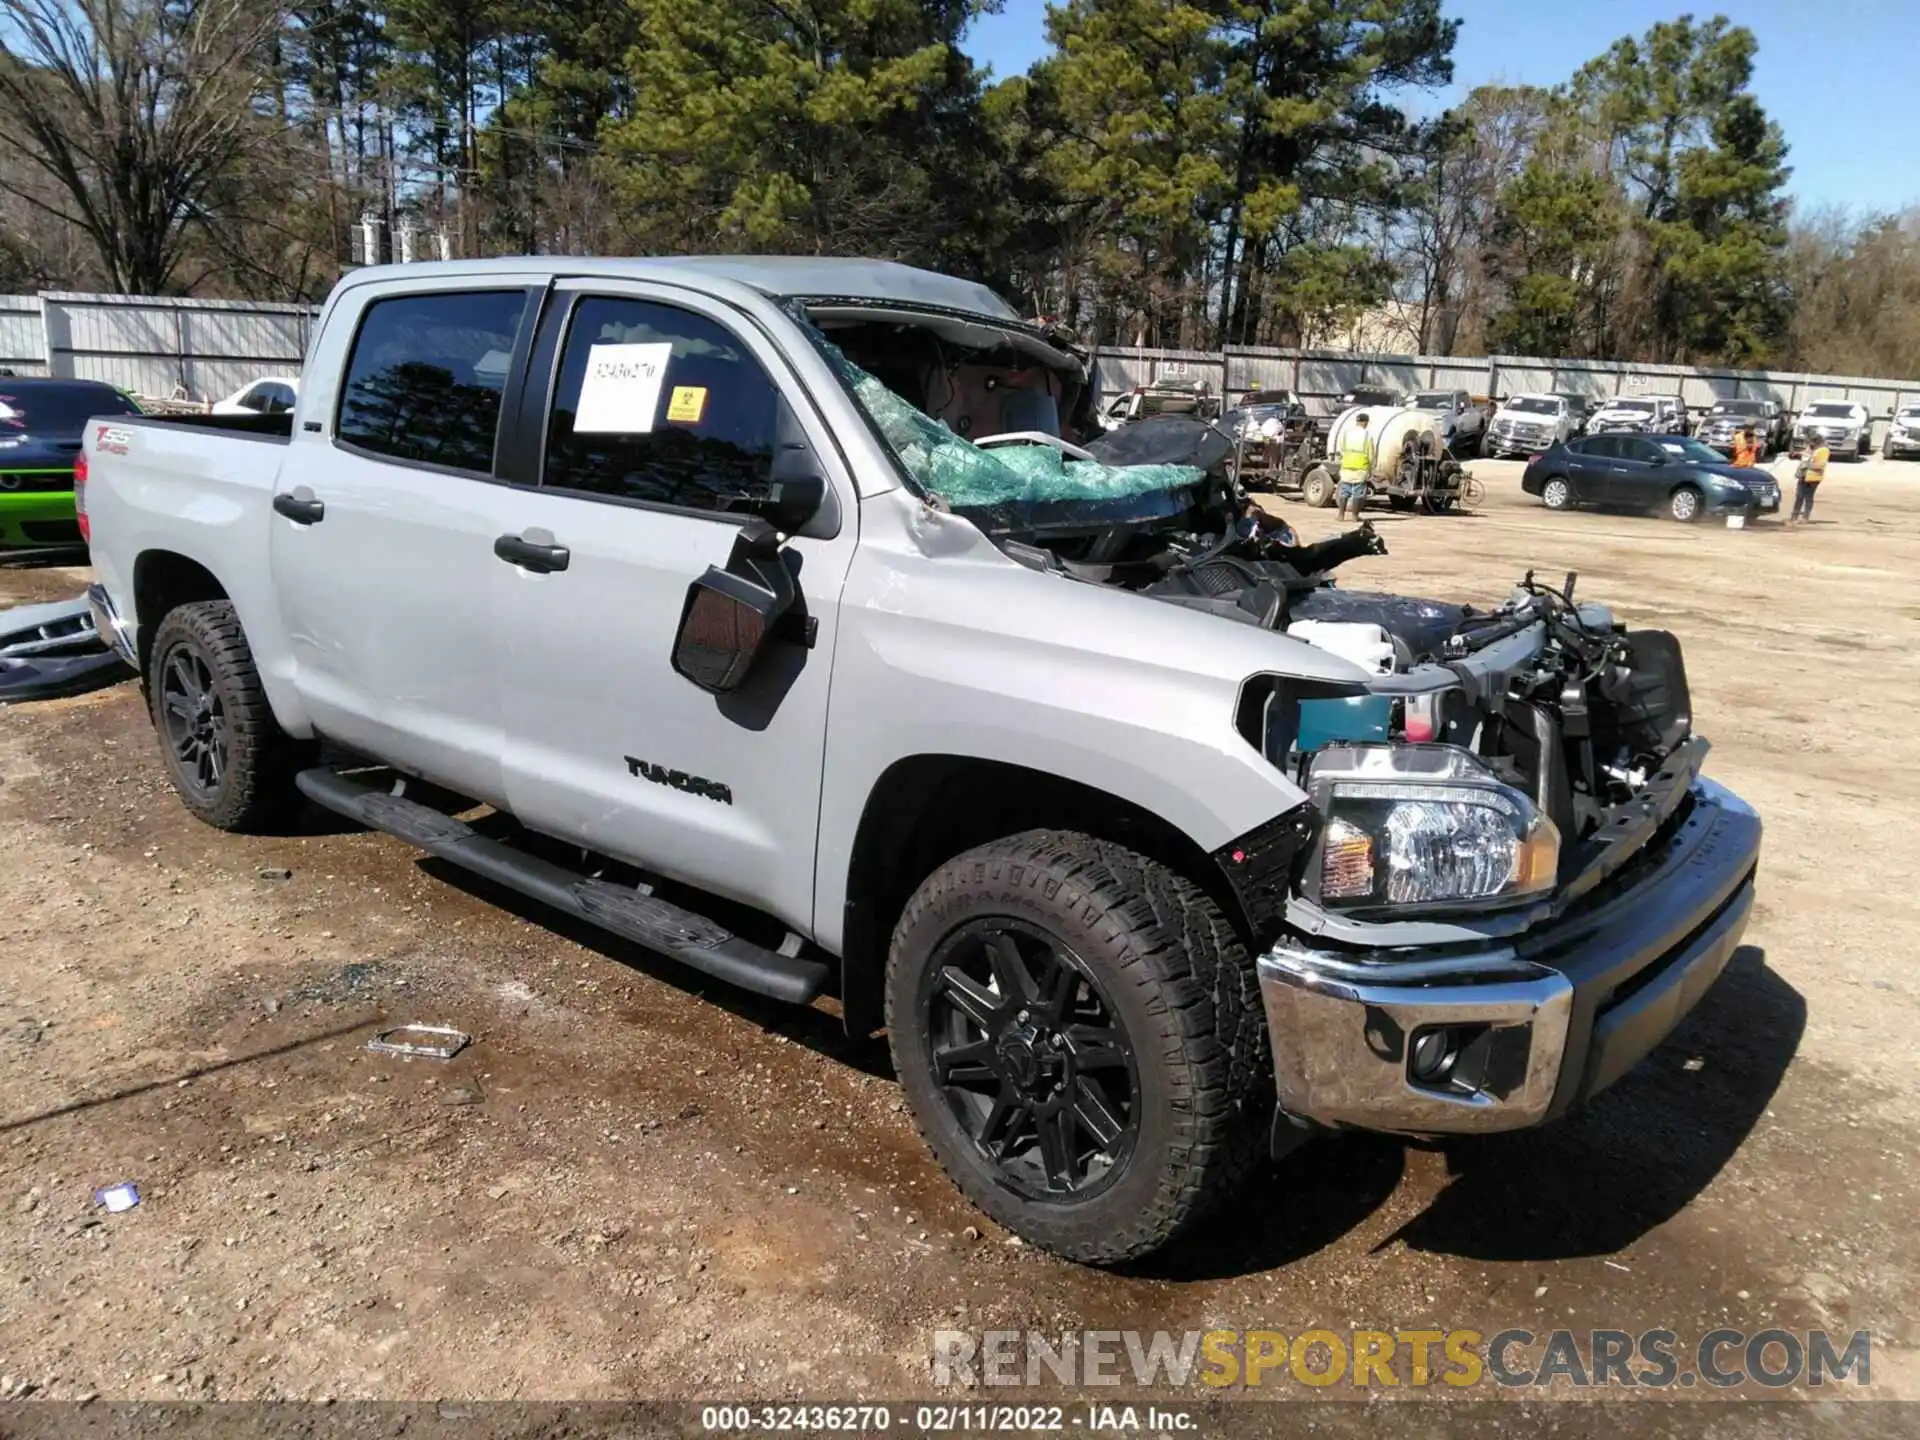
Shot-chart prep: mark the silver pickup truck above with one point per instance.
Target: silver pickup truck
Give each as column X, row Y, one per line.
column 788, row 618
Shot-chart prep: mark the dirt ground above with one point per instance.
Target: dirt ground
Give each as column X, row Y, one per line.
column 636, row 1183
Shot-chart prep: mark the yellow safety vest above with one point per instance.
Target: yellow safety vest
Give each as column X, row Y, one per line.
column 1356, row 455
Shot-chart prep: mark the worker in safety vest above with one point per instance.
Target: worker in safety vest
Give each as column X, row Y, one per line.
column 1356, row 465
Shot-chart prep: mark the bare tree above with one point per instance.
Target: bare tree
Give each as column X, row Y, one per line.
column 1856, row 282
column 134, row 113
column 1439, row 243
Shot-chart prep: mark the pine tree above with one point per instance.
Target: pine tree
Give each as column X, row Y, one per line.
column 823, row 126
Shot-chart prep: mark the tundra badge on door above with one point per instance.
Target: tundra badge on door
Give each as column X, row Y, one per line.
column 680, row 780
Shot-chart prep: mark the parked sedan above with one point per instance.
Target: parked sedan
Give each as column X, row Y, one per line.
column 1681, row 477
column 40, row 427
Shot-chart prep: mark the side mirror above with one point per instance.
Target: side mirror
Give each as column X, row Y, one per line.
column 794, row 503
column 730, row 614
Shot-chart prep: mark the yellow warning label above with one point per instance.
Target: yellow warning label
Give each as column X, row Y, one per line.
column 687, row 403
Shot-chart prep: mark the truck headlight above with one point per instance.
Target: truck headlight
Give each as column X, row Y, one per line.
column 1424, row 826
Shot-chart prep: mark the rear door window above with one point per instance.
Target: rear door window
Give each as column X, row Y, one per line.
column 424, row 380
column 656, row 405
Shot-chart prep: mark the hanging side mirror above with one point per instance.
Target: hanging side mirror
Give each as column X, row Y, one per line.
column 732, row 614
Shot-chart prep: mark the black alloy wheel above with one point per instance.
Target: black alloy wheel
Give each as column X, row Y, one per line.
column 195, row 721
column 1030, row 1060
column 229, row 760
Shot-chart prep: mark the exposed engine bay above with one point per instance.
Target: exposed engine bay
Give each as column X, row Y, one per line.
column 1553, row 696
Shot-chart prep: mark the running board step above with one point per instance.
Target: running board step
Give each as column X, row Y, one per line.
column 691, row 939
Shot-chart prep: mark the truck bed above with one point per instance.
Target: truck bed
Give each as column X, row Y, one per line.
column 275, row 429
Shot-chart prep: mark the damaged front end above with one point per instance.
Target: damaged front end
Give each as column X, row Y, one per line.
column 1577, row 724
column 1515, row 881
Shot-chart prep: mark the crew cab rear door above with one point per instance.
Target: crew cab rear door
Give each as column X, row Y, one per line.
column 640, row 477
column 385, row 517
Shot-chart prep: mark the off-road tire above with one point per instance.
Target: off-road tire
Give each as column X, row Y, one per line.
column 1182, row 988
column 1317, row 488
column 255, row 793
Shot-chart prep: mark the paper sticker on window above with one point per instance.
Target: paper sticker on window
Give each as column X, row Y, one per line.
column 620, row 392
column 687, row 403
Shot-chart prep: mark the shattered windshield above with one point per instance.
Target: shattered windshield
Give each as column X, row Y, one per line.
column 969, row 477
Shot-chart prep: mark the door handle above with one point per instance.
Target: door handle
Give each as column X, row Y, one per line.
column 301, row 509
column 531, row 554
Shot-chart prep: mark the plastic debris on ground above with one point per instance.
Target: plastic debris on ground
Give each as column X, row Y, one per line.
column 49, row 677
column 116, row 1198
column 426, row 1042
column 970, row 478
column 52, row 650
column 63, row 627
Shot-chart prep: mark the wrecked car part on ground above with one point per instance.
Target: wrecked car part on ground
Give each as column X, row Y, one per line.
column 1147, row 847
column 51, row 650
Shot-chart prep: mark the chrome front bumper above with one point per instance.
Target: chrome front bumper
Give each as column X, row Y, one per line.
column 1539, row 1023
column 113, row 630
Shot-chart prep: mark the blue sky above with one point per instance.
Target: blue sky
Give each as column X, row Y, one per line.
column 1850, row 109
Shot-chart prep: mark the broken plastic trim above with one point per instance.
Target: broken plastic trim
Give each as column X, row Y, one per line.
column 435, row 1042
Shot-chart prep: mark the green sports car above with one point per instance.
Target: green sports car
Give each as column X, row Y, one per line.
column 41, row 422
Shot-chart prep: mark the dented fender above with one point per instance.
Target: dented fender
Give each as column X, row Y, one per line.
column 948, row 648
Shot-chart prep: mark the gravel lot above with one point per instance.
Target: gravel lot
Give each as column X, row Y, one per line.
column 635, row 1183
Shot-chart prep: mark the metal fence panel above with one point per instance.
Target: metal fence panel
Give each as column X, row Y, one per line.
column 1514, row 377
column 1398, row 373
column 1323, row 379
column 1322, row 375
column 1454, row 374
column 162, row 346
column 1261, row 370
column 23, row 344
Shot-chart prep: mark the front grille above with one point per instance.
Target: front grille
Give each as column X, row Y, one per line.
column 14, row 484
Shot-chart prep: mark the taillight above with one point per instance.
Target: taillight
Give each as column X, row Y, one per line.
column 80, row 496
